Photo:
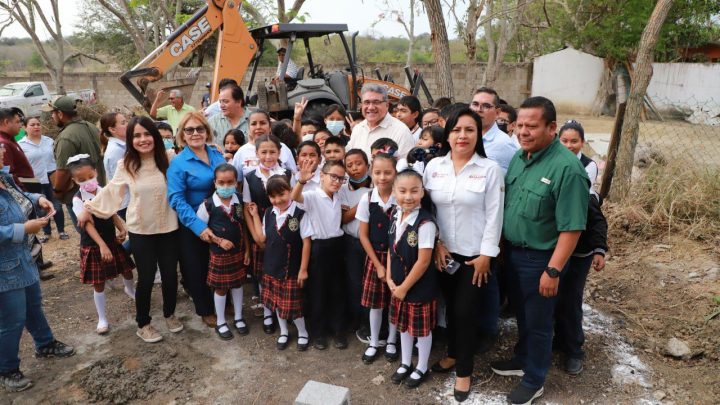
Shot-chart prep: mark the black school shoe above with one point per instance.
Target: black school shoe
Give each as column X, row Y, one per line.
column 398, row 377
column 283, row 345
column 269, row 329
column 54, row 349
column 320, row 343
column 242, row 329
column 15, row 381
column 522, row 395
column 301, row 347
column 227, row 335
column 367, row 359
column 573, row 366
column 391, row 357
column 411, row 382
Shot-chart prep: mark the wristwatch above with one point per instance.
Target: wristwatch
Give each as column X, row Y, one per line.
column 552, row 272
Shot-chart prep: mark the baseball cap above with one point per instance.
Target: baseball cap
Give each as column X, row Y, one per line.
column 281, row 50
column 64, row 104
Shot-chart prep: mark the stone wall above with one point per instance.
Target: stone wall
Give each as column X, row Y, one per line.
column 513, row 84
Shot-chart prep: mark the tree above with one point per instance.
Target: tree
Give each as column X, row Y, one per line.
column 26, row 13
column 440, row 46
column 468, row 24
column 641, row 80
column 392, row 12
column 500, row 26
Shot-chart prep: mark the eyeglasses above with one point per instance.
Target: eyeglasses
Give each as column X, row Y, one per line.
column 429, row 123
column 483, row 106
column 336, row 178
column 375, row 103
column 190, row 130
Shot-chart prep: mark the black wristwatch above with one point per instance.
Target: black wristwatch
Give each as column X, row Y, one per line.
column 552, row 272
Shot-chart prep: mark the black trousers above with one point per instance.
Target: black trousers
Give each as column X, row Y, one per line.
column 354, row 269
column 569, row 336
column 194, row 257
column 462, row 305
column 151, row 252
column 326, row 288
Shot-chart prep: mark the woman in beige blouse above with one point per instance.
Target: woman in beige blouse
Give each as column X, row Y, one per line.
column 152, row 224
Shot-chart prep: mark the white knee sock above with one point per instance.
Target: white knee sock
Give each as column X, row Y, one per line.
column 424, row 345
column 392, row 338
column 300, row 325
column 406, row 348
column 220, row 308
column 283, row 329
column 237, row 296
column 375, row 324
column 267, row 315
column 129, row 288
column 100, row 306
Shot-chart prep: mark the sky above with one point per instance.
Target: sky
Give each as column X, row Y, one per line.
column 358, row 14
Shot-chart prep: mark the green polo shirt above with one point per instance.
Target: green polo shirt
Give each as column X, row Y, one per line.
column 172, row 115
column 544, row 195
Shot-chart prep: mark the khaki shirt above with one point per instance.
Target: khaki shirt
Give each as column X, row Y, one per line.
column 78, row 137
column 390, row 127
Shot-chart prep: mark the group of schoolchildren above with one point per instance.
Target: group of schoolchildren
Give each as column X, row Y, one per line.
column 344, row 231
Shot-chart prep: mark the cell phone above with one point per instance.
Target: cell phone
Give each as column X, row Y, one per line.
column 451, row 266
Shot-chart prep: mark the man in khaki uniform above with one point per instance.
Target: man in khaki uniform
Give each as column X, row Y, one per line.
column 76, row 136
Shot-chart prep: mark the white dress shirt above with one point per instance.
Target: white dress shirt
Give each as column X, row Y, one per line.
column 426, row 232
column 351, row 198
column 390, row 127
column 325, row 214
column 245, row 159
column 416, row 134
column 40, row 156
column 312, row 184
column 499, row 147
column 363, row 209
column 306, row 229
column 469, row 204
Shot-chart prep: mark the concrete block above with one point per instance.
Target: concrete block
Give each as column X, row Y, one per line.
column 317, row 393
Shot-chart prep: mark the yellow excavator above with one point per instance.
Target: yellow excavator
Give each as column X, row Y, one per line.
column 239, row 48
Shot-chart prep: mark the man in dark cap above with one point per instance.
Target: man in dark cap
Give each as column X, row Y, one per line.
column 76, row 136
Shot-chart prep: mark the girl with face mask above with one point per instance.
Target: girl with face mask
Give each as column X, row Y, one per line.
column 335, row 121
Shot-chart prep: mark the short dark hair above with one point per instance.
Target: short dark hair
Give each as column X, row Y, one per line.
column 236, row 93
column 572, row 124
column 284, row 133
column 226, row 167
column 164, row 125
column 335, row 140
column 7, row 113
column 442, row 102
column 237, row 134
column 453, row 120
column 449, row 109
column 276, row 185
column 322, row 130
column 311, row 121
column 227, row 82
column 436, row 133
column 384, row 143
column 510, row 110
column 329, row 164
column 332, row 108
column 360, row 152
column 413, row 103
column 548, row 108
column 489, row 90
column 311, row 144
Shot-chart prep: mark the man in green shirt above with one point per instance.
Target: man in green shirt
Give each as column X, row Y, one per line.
column 546, row 202
column 172, row 112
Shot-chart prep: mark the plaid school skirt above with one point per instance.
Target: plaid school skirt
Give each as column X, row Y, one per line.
column 283, row 296
column 226, row 270
column 256, row 262
column 375, row 292
column 94, row 271
column 416, row 318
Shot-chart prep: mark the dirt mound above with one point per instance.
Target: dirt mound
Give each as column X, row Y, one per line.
column 159, row 370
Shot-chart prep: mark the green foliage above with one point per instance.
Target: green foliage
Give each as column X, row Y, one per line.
column 4, row 63
column 35, row 62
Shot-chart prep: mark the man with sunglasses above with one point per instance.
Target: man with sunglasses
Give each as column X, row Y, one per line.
column 173, row 112
column 498, row 145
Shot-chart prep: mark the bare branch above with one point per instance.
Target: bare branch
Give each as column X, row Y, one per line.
column 82, row 55
column 6, row 23
column 254, row 13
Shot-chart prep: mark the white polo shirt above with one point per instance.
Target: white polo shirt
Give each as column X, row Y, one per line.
column 204, row 215
column 426, row 232
column 325, row 214
column 363, row 210
column 306, row 229
column 246, row 160
column 351, row 198
column 259, row 174
column 469, row 204
column 390, row 127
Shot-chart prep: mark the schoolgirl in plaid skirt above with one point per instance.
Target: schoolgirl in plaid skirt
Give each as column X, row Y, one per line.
column 102, row 257
column 374, row 212
column 229, row 251
column 285, row 232
column 413, row 278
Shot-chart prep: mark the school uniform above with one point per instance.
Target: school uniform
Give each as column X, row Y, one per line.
column 284, row 234
column 417, row 313
column 378, row 215
column 326, row 277
column 226, row 268
column 92, row 268
column 254, row 191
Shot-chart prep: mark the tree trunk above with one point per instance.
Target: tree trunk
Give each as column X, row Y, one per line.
column 440, row 46
column 641, row 80
column 508, row 22
column 411, row 34
column 605, row 89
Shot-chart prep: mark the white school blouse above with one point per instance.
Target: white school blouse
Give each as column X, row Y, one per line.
column 325, row 214
column 469, row 204
column 351, row 198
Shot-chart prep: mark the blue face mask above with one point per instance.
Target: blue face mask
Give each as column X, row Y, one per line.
column 225, row 192
column 335, row 127
column 5, row 169
column 168, row 144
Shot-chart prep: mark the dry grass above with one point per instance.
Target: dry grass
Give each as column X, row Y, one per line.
column 671, row 198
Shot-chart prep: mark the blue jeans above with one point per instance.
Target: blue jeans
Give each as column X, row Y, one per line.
column 489, row 302
column 569, row 335
column 535, row 313
column 19, row 309
column 59, row 216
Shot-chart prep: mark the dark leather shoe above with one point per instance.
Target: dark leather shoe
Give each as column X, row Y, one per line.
column 241, row 327
column 369, row 359
column 573, row 366
column 398, row 377
column 411, row 382
column 340, row 342
column 320, row 343
column 269, row 329
column 227, row 335
column 283, row 345
column 391, row 357
column 461, row 396
column 301, row 347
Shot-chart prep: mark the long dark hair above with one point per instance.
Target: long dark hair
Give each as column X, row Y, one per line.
column 452, row 122
column 132, row 157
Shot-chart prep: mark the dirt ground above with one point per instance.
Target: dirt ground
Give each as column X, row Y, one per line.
column 649, row 292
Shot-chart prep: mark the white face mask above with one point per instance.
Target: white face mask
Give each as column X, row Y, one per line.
column 335, row 127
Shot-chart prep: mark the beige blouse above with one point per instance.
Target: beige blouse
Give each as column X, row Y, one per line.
column 148, row 212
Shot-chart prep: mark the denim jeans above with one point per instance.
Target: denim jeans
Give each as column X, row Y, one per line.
column 20, row 309
column 59, row 216
column 535, row 313
column 489, row 302
column 569, row 336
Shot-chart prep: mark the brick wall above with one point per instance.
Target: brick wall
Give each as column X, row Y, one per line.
column 513, row 84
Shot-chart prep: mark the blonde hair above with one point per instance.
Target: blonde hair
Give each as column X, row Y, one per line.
column 193, row 115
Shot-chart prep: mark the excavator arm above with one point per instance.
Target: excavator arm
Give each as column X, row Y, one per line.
column 235, row 49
